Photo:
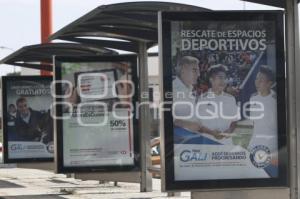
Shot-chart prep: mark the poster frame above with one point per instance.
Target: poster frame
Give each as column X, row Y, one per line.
column 167, row 155
column 59, row 155
column 4, row 80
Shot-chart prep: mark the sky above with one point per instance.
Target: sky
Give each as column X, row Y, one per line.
column 20, row 19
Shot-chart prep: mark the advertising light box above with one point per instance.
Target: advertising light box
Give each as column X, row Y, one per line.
column 27, row 121
column 95, row 113
column 224, row 75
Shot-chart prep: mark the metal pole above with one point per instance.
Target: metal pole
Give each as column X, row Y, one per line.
column 144, row 118
column 293, row 71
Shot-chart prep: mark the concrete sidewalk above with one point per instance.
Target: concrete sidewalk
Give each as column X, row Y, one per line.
column 16, row 183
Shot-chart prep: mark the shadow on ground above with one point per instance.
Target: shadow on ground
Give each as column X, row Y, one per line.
column 5, row 184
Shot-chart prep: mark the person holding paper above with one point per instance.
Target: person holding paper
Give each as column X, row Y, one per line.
column 217, row 109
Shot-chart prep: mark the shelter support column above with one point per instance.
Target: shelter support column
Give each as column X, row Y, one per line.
column 144, row 118
column 293, row 94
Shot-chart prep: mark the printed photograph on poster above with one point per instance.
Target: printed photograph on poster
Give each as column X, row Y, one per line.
column 225, row 98
column 98, row 102
column 96, row 85
column 28, row 125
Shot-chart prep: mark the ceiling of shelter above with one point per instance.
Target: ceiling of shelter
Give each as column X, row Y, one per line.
column 117, row 26
column 40, row 56
column 132, row 22
column 275, row 3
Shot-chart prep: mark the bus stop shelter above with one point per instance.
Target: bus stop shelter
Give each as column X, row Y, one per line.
column 133, row 27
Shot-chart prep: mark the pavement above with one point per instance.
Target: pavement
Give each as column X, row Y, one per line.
column 18, row 183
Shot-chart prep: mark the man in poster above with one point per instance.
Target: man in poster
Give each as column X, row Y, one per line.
column 264, row 122
column 187, row 72
column 11, row 115
column 221, row 104
column 184, row 101
column 27, row 121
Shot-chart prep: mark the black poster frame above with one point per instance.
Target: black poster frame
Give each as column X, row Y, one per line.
column 5, row 80
column 60, row 167
column 169, row 182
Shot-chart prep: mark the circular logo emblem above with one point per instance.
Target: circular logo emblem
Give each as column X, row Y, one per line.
column 260, row 156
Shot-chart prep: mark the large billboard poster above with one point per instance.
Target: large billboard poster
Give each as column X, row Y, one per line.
column 225, row 72
column 27, row 122
column 95, row 107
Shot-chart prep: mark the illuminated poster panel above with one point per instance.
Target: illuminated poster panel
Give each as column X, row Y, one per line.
column 27, row 121
column 96, row 124
column 226, row 75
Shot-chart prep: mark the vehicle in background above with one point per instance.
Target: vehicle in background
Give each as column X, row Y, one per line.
column 155, row 157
